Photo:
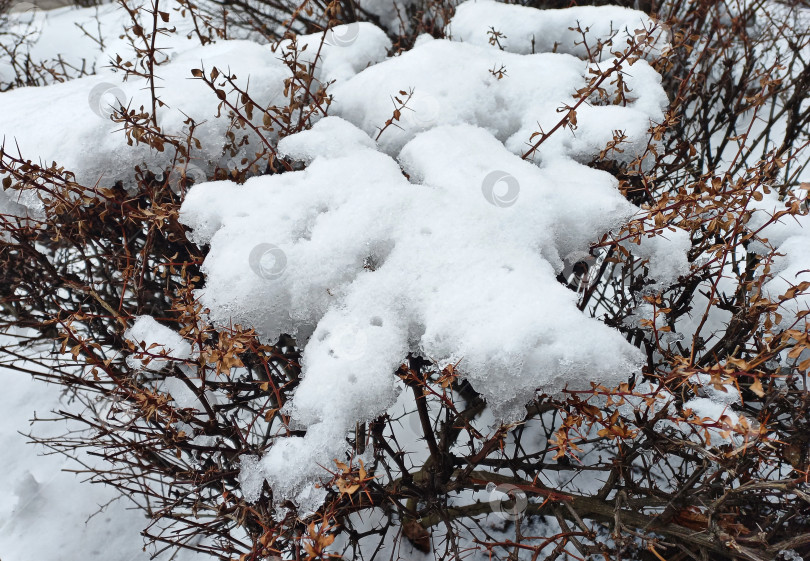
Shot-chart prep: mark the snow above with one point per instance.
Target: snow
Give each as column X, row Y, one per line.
column 47, row 513
column 710, row 411
column 95, row 149
column 432, row 236
column 352, row 206
column 791, row 267
column 181, row 394
column 666, row 253
column 726, row 394
column 93, row 146
column 527, row 30
column 436, row 239
column 452, row 84
column 58, row 33
column 790, row 237
column 151, row 339
column 347, row 50
column 772, row 228
column 392, row 14
column 10, row 204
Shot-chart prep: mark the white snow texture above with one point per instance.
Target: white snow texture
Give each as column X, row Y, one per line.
column 436, row 238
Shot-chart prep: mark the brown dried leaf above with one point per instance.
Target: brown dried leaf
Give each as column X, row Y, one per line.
column 417, row 535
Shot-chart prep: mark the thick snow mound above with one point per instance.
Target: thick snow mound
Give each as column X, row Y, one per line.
column 373, row 266
column 434, row 237
column 452, row 83
column 69, row 122
column 346, row 50
column 76, row 130
column 526, row 30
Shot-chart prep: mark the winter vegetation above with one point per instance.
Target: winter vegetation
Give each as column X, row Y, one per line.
column 405, row 280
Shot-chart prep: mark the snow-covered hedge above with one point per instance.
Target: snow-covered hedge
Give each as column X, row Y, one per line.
column 438, row 239
column 362, row 283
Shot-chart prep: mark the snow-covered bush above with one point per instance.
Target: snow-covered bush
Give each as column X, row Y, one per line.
column 419, row 279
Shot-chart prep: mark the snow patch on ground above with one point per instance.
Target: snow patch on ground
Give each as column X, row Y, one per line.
column 47, row 513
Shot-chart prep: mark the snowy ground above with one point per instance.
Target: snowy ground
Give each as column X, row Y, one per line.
column 48, row 513
column 39, row 497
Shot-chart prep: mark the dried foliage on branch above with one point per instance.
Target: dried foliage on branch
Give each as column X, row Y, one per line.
column 630, row 472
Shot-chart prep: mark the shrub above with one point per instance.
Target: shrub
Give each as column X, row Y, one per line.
column 645, row 400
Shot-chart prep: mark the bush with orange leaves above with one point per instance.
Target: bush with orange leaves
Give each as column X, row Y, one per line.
column 701, row 454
